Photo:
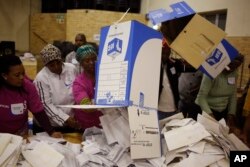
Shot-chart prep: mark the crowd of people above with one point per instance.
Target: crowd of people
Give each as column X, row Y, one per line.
column 70, row 79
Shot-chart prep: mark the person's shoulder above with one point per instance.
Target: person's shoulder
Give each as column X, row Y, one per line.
column 69, row 65
column 79, row 78
column 28, row 84
column 43, row 73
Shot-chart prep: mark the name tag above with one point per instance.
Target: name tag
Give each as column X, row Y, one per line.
column 17, row 109
column 231, row 80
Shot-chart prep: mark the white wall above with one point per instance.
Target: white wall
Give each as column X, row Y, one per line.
column 238, row 20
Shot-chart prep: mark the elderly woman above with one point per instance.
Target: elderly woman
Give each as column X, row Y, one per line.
column 18, row 96
column 83, row 87
column 54, row 84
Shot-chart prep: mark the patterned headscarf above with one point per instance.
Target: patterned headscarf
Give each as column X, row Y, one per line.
column 84, row 51
column 49, row 53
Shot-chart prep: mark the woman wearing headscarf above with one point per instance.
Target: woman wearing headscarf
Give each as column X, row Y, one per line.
column 54, row 84
column 83, row 87
column 18, row 95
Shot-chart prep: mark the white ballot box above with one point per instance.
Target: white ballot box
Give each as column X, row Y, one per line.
column 128, row 73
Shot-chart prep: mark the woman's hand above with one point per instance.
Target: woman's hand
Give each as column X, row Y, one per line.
column 71, row 122
column 56, row 135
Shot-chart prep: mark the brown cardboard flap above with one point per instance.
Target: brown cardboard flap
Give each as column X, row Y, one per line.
column 197, row 40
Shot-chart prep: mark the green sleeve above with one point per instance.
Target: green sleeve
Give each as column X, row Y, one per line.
column 201, row 100
column 232, row 104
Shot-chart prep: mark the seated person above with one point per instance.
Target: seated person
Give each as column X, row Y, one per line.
column 83, row 87
column 18, row 95
column 54, row 84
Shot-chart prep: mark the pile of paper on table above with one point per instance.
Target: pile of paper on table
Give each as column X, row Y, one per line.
column 206, row 142
column 184, row 142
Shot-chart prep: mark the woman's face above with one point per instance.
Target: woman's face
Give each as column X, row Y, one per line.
column 55, row 66
column 88, row 64
column 15, row 75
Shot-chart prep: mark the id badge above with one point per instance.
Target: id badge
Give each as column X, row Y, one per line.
column 17, row 109
column 231, row 80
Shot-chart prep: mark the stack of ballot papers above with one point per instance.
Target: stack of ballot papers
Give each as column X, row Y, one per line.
column 184, row 143
column 10, row 149
column 205, row 142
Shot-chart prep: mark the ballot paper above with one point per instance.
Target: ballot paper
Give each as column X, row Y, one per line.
column 157, row 162
column 116, row 153
column 11, row 151
column 239, row 145
column 167, row 119
column 82, row 158
column 121, row 131
column 199, row 160
column 198, row 147
column 178, row 122
column 185, row 135
column 37, row 157
column 221, row 163
column 44, row 136
column 125, row 160
column 145, row 133
column 4, row 141
column 209, row 124
column 105, row 122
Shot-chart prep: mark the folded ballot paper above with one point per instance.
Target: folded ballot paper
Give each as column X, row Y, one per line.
column 40, row 154
column 10, row 149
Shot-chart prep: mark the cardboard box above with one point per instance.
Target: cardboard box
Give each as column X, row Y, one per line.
column 190, row 35
column 218, row 59
column 128, row 74
column 129, row 56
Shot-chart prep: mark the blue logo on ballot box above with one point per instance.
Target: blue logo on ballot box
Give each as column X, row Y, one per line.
column 114, row 47
column 215, row 57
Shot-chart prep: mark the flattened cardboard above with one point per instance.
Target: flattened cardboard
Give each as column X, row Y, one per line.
column 197, row 40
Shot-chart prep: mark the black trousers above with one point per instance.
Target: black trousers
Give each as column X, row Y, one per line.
column 219, row 115
column 189, row 109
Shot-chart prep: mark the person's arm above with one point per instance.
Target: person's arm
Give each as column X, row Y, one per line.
column 55, row 114
column 201, row 100
column 232, row 104
column 80, row 94
column 43, row 120
column 232, row 107
column 35, row 106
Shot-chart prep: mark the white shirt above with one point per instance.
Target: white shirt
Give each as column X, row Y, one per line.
column 56, row 90
column 166, row 102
